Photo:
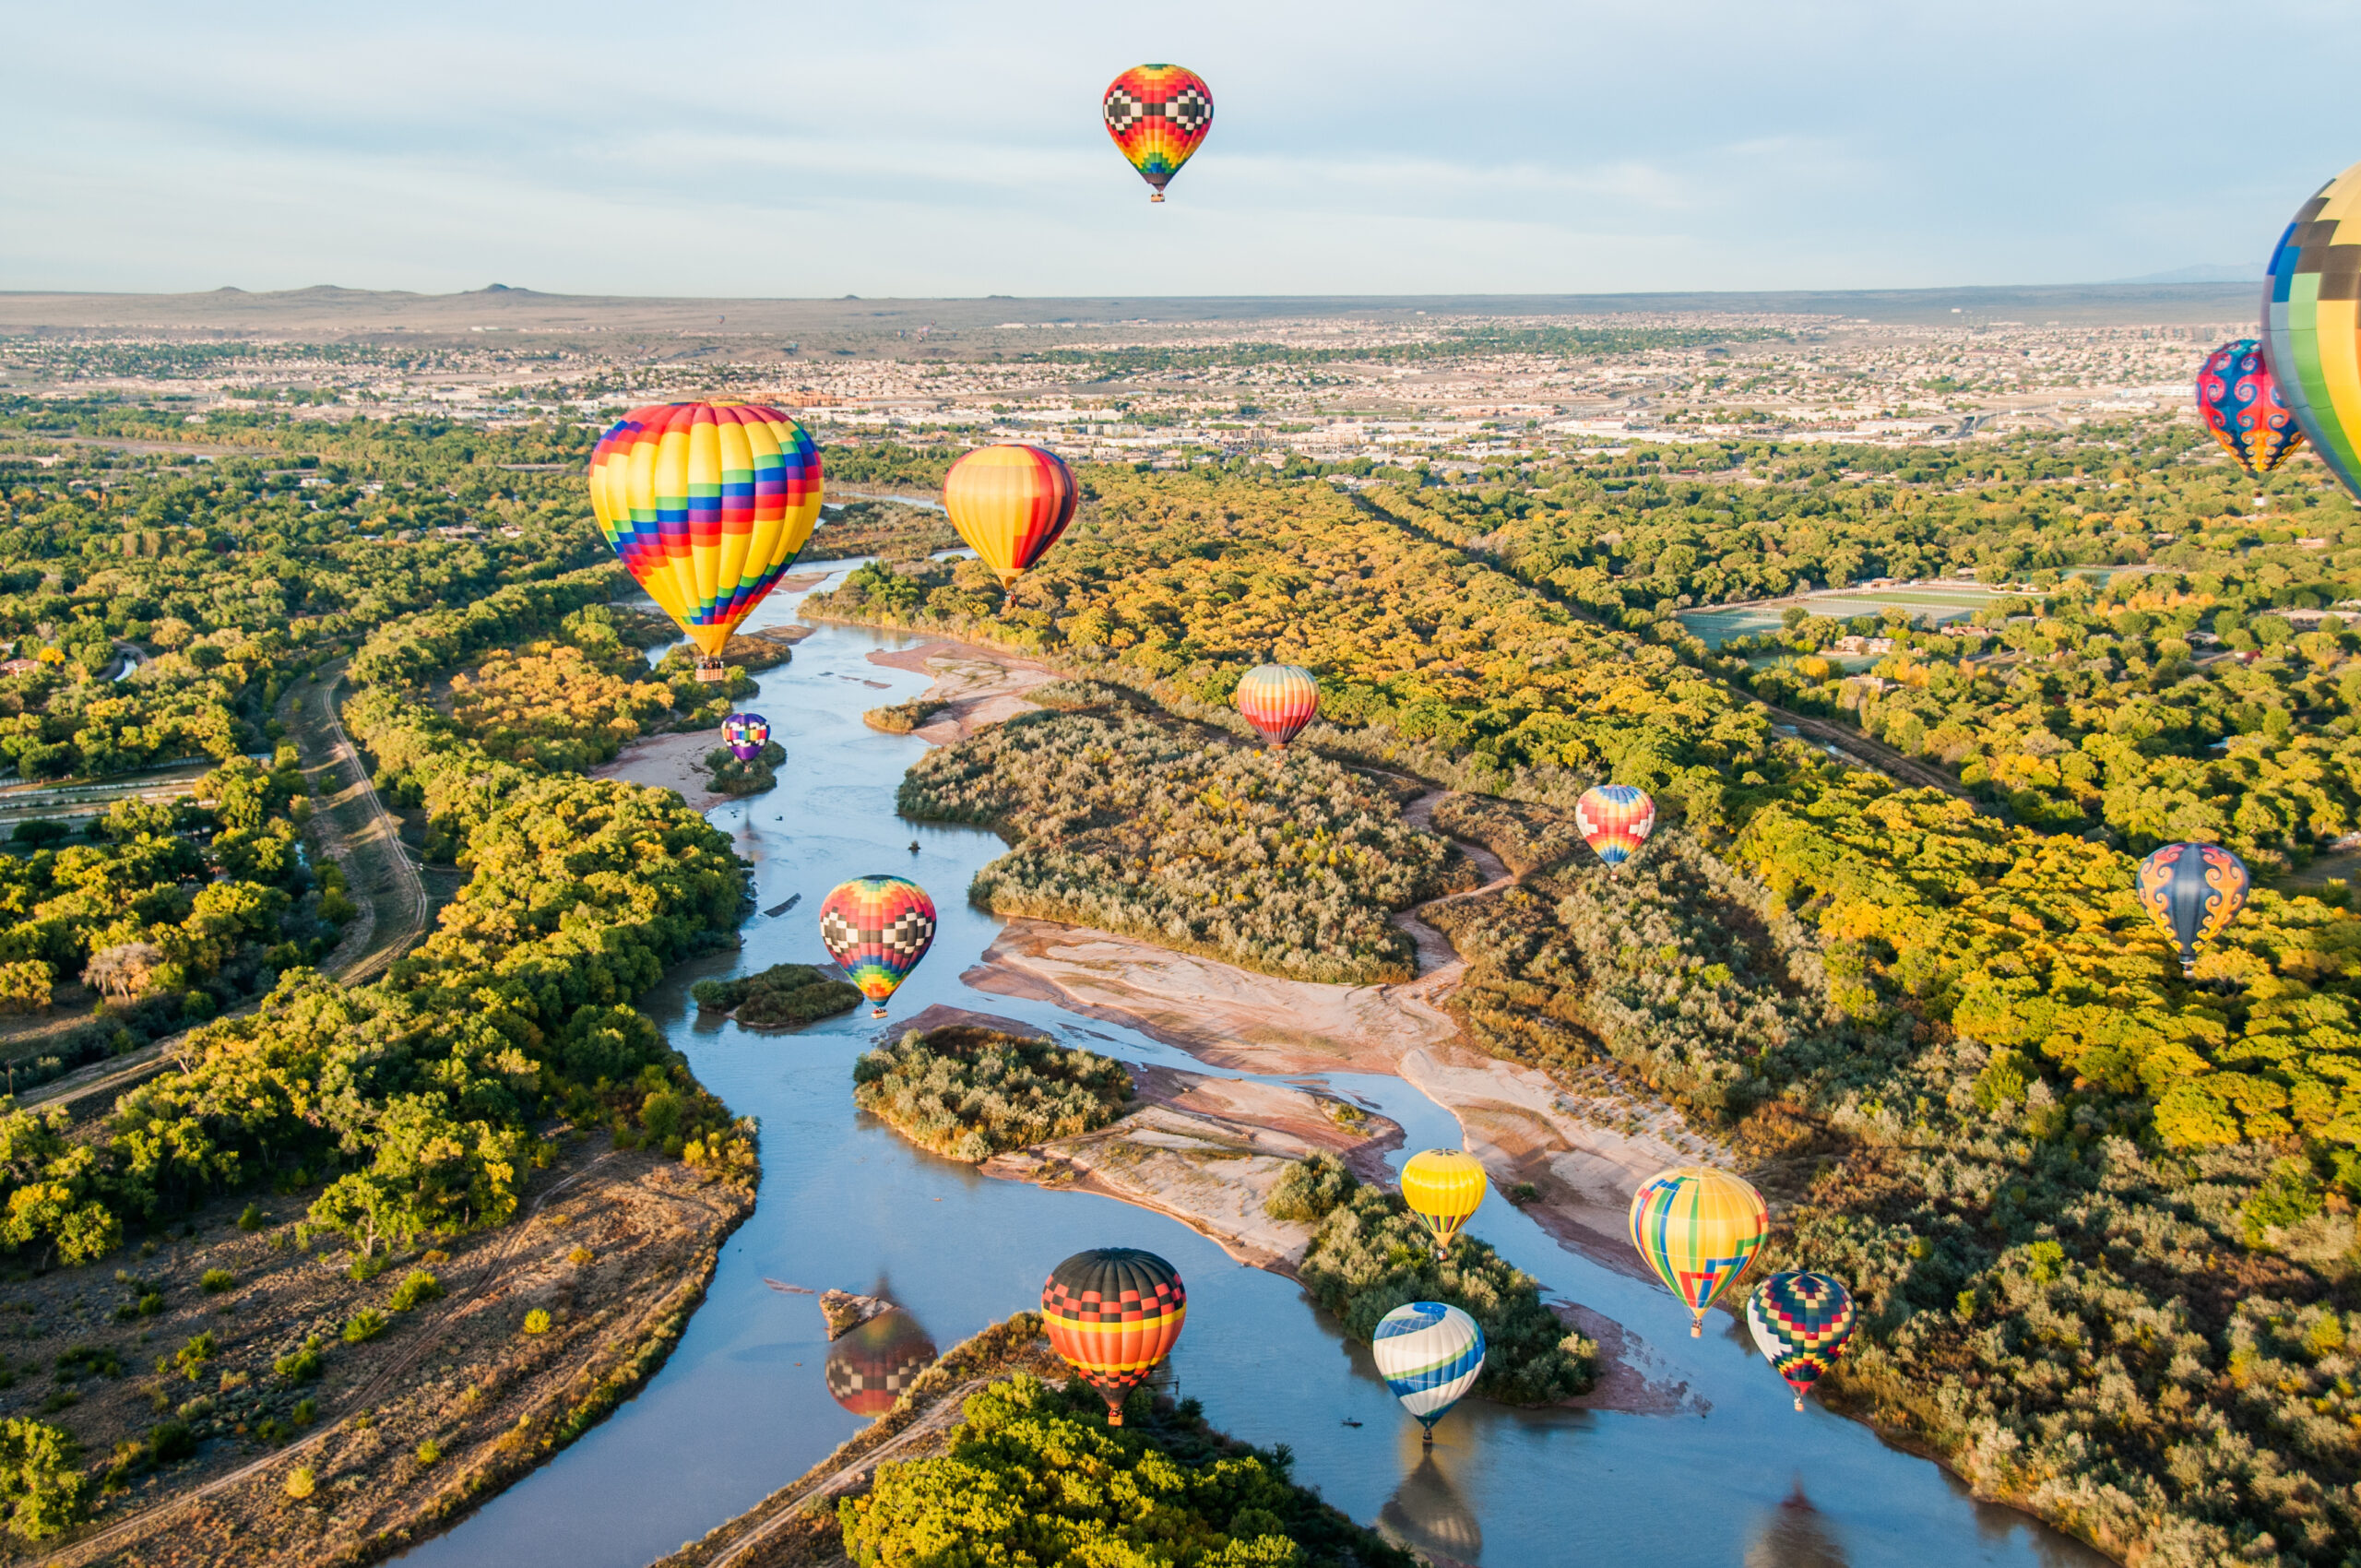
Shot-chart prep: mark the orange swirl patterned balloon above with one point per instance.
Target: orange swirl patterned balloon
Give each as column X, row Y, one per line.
column 1615, row 820
column 2192, row 891
column 1159, row 116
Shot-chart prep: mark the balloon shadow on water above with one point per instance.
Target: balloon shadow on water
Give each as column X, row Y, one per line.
column 1427, row 1513
column 1794, row 1534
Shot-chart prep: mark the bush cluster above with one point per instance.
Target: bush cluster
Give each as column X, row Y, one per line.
column 969, row 1093
column 779, row 997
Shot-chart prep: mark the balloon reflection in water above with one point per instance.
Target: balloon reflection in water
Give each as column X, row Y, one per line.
column 1795, row 1535
column 1427, row 1513
column 872, row 1365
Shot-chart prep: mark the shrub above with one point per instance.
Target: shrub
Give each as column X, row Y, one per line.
column 901, row 717
column 252, row 1219
column 300, row 1365
column 1307, row 1190
column 969, row 1093
column 537, row 1321
column 191, row 1357
column 213, row 1281
column 780, row 996
column 365, row 1325
column 169, row 1441
column 301, row 1482
column 429, row 1452
column 420, row 1288
column 581, row 1257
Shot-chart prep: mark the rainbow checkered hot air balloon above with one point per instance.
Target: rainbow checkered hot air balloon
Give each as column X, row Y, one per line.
column 2240, row 404
column 2311, row 324
column 1159, row 116
column 706, row 505
column 746, row 734
column 1800, row 1322
column 1615, row 820
column 878, row 928
column 1279, row 699
column 2192, row 891
column 1114, row 1313
column 1698, row 1229
column 1010, row 504
column 1443, row 1186
column 1430, row 1354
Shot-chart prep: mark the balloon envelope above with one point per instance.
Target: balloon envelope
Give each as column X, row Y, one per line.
column 1430, row 1354
column 746, row 734
column 1698, row 1229
column 1010, row 504
column 1159, row 116
column 2192, row 891
column 1279, row 699
column 2311, row 320
column 1800, row 1322
column 1443, row 1186
column 706, row 505
column 878, row 928
column 2239, row 401
column 1615, row 820
column 1114, row 1313
column 873, row 1366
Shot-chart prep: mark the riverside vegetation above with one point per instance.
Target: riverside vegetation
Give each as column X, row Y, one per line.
column 2099, row 1216
column 969, row 1093
column 1152, row 826
column 779, row 997
column 401, row 1113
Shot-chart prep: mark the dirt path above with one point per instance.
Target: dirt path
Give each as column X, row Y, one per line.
column 1440, row 966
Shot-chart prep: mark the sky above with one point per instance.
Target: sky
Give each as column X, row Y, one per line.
column 788, row 149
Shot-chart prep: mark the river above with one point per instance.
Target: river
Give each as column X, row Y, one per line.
column 741, row 1407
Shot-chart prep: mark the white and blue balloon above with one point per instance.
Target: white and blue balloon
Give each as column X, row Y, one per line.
column 1429, row 1354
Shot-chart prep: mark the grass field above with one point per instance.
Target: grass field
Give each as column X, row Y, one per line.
column 1935, row 606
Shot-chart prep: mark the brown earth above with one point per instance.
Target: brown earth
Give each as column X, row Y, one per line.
column 668, row 762
column 975, row 686
column 615, row 1247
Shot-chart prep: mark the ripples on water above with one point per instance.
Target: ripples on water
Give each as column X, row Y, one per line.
column 754, row 1394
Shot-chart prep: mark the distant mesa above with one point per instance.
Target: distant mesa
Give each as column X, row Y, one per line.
column 2203, row 274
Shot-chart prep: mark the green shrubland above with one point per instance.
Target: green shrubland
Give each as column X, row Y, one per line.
column 969, row 1093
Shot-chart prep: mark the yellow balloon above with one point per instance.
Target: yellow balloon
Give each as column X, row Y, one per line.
column 1443, row 1186
column 1010, row 504
column 1698, row 1229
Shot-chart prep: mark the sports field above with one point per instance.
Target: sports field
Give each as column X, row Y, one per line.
column 1936, row 606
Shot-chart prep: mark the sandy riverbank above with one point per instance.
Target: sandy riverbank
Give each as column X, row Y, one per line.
column 977, row 685
column 668, row 762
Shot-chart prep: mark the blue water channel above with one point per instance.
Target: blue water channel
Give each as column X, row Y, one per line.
column 741, row 1408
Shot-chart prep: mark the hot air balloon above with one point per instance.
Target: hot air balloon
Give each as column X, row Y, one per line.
column 1430, row 1354
column 1615, row 820
column 1443, row 1186
column 1698, row 1229
column 1114, row 1313
column 746, row 734
column 873, row 1365
column 1010, row 504
column 1279, row 699
column 1800, row 1322
column 2311, row 325
column 2192, row 890
column 878, row 928
column 2240, row 404
column 1158, row 116
column 706, row 505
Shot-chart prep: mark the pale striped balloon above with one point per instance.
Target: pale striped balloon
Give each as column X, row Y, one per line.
column 1430, row 1354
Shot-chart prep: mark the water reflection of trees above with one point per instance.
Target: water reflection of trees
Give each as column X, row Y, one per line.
column 1795, row 1535
column 871, row 1367
column 1427, row 1513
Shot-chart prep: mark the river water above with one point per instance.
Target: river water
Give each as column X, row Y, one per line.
column 741, row 1407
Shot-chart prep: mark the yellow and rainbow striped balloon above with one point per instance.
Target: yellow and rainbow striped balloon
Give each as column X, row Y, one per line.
column 1698, row 1229
column 706, row 505
column 1010, row 503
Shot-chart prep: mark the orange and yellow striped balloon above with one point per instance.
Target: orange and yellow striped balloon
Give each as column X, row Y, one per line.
column 706, row 505
column 1010, row 504
column 1278, row 700
column 1443, row 1186
column 1698, row 1229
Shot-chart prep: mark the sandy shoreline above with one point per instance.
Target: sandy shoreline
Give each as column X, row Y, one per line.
column 668, row 762
column 977, row 685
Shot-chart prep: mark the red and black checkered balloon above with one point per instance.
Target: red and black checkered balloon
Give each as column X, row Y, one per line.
column 1114, row 1313
column 1159, row 116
